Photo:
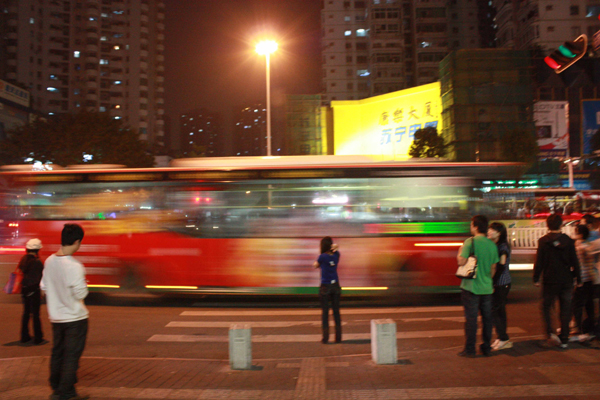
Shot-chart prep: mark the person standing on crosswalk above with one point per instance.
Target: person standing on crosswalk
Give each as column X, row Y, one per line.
column 502, row 281
column 330, row 289
column 557, row 267
column 476, row 294
column 65, row 286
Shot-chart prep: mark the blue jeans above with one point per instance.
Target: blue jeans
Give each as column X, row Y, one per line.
column 67, row 347
column 475, row 304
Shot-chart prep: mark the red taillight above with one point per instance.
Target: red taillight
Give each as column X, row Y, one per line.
column 551, row 63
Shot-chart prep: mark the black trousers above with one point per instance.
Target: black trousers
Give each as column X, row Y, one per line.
column 31, row 307
column 499, row 310
column 583, row 297
column 562, row 292
column 331, row 293
column 68, row 344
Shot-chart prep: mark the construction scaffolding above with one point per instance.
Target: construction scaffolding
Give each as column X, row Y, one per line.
column 486, row 93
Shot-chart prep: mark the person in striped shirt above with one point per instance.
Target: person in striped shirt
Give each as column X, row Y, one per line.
column 497, row 233
column 583, row 296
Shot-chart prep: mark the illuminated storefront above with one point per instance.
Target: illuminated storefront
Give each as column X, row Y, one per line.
column 384, row 126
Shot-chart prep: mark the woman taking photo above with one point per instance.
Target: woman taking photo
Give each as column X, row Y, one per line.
column 330, row 289
column 497, row 233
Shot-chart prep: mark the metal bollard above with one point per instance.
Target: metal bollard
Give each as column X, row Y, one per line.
column 383, row 341
column 240, row 346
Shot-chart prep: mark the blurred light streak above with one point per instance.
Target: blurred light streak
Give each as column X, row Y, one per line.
column 447, row 244
column 170, row 287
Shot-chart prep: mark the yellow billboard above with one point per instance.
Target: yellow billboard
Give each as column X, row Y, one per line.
column 384, row 126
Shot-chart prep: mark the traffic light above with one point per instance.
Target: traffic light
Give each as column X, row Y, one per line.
column 567, row 54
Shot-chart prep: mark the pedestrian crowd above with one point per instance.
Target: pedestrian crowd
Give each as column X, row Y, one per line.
column 567, row 269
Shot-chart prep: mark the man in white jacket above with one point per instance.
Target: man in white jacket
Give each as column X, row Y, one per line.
column 65, row 286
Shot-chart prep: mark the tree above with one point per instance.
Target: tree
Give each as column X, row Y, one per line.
column 428, row 143
column 519, row 145
column 67, row 139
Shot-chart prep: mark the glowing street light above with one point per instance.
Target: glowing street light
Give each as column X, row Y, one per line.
column 265, row 48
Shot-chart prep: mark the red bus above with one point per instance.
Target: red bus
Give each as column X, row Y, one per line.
column 253, row 225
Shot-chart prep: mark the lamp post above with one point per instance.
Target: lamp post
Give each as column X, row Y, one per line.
column 266, row 48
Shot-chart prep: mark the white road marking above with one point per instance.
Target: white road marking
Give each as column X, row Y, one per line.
column 288, row 324
column 253, row 324
column 313, row 338
column 347, row 311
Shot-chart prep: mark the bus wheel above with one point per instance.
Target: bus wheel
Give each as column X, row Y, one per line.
column 131, row 281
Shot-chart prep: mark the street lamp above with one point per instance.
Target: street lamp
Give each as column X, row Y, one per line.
column 265, row 48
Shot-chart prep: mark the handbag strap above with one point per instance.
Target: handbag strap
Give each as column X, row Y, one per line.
column 472, row 246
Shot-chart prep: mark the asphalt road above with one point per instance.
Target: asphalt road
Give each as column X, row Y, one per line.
column 152, row 348
column 198, row 328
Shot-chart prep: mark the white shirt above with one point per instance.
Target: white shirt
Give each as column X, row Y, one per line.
column 65, row 286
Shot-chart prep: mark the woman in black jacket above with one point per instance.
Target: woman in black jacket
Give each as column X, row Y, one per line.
column 32, row 269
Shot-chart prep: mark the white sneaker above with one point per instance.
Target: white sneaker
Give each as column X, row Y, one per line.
column 495, row 344
column 504, row 344
column 586, row 337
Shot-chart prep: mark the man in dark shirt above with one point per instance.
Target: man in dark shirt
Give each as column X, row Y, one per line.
column 557, row 265
column 32, row 268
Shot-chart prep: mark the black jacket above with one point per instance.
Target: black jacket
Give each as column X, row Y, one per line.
column 556, row 260
column 32, row 269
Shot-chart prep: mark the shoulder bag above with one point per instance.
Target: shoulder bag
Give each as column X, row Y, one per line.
column 469, row 270
column 13, row 286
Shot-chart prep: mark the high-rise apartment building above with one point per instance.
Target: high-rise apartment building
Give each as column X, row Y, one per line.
column 250, row 131
column 201, row 132
column 372, row 47
column 97, row 55
column 544, row 23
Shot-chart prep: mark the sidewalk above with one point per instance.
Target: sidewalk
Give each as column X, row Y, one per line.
column 525, row 371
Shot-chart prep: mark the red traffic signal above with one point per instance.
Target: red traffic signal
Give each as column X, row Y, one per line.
column 567, row 54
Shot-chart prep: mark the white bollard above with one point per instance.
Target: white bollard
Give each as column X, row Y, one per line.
column 383, row 341
column 240, row 346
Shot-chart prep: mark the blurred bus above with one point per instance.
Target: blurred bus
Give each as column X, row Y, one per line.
column 253, row 225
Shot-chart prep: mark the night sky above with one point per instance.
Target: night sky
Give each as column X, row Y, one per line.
column 210, row 59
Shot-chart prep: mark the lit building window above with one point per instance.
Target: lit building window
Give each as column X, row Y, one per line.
column 361, row 32
column 76, row 54
column 347, row 33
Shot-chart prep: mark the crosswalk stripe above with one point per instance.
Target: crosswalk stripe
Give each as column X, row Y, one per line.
column 313, row 338
column 288, row 324
column 347, row 311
